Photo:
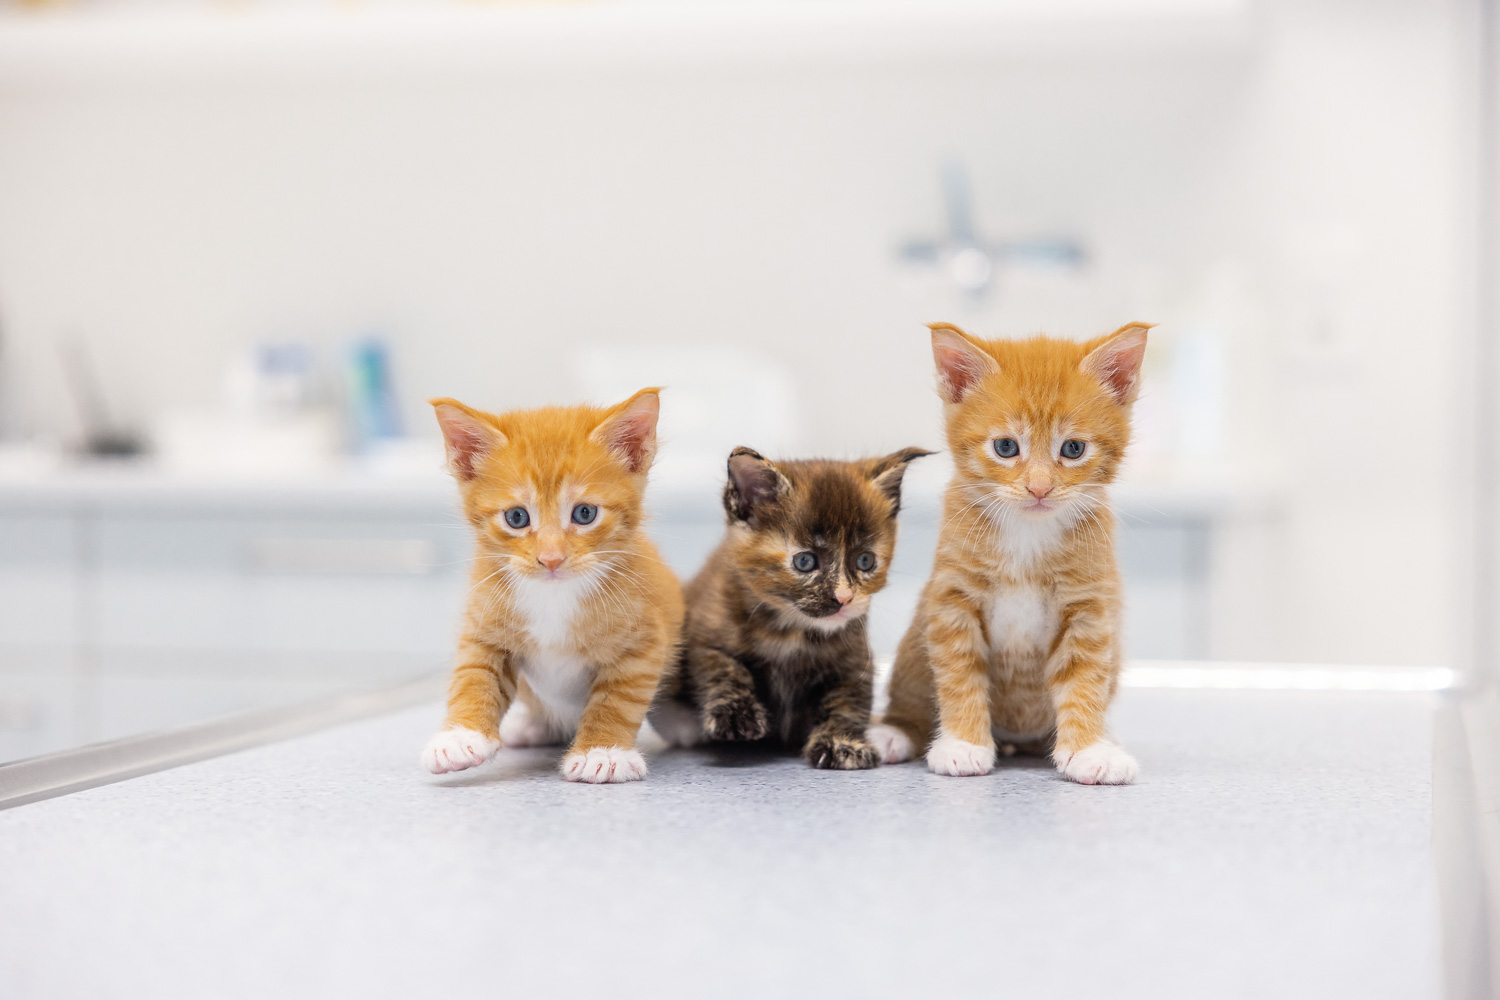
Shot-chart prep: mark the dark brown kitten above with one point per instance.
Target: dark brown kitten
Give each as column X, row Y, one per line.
column 774, row 641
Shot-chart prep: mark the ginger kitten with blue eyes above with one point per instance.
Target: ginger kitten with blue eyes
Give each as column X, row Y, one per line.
column 572, row 616
column 1016, row 639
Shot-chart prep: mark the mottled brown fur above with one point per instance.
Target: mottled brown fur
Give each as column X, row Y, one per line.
column 777, row 654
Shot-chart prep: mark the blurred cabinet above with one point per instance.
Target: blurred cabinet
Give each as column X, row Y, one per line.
column 127, row 614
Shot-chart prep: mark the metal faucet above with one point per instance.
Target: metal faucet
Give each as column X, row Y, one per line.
column 972, row 262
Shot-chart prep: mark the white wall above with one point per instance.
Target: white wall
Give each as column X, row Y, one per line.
column 1285, row 188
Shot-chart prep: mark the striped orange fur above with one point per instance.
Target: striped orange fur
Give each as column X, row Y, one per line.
column 1016, row 639
column 571, row 616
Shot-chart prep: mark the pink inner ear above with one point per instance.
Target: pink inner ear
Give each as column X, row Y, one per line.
column 1118, row 364
column 631, row 434
column 464, row 440
column 959, row 367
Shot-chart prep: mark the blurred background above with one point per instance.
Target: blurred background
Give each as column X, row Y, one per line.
column 241, row 243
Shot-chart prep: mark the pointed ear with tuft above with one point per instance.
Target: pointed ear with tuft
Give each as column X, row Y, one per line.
column 961, row 363
column 629, row 429
column 754, row 483
column 886, row 473
column 1116, row 361
column 468, row 435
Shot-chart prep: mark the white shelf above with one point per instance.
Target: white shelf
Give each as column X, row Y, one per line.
column 599, row 35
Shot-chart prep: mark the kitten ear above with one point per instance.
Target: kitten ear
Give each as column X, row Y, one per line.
column 961, row 363
column 468, row 435
column 629, row 429
column 886, row 473
column 1116, row 361
column 753, row 482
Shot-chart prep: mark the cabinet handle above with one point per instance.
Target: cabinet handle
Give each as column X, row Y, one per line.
column 342, row 556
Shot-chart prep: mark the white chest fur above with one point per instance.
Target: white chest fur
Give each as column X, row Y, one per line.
column 1027, row 539
column 548, row 607
column 1023, row 620
column 560, row 676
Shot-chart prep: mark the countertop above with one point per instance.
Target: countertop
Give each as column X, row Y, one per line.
column 677, row 489
column 1278, row 845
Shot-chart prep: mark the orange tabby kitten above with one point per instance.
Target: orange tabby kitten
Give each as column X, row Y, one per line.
column 572, row 617
column 1017, row 635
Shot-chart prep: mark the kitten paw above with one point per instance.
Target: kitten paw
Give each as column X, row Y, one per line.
column 839, row 753
column 738, row 718
column 959, row 758
column 520, row 728
column 893, row 746
column 458, row 749
column 604, row 765
column 1100, row 763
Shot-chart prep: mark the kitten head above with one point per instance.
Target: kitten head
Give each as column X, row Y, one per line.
column 813, row 540
column 1037, row 426
column 552, row 493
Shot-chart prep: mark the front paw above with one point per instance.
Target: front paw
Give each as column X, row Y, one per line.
column 1100, row 763
column 893, row 745
column 840, row 753
column 739, row 717
column 604, row 765
column 458, row 749
column 959, row 758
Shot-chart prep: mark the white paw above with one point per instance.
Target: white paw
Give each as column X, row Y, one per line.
column 603, row 765
column 520, row 728
column 1100, row 763
column 959, row 758
column 457, row 749
column 677, row 724
column 892, row 744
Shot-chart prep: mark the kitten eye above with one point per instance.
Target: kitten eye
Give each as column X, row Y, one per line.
column 1007, row 447
column 517, row 517
column 1072, row 449
column 585, row 513
column 804, row 562
column 865, row 562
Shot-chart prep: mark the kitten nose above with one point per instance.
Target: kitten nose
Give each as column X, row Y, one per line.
column 843, row 595
column 551, row 560
column 1039, row 490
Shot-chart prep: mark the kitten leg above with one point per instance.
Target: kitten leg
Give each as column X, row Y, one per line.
column 906, row 726
column 481, row 690
column 726, row 694
column 604, row 750
column 526, row 724
column 1081, row 679
column 839, row 740
column 956, row 648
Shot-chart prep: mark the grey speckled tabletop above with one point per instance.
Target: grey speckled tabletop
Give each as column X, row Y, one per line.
column 1277, row 846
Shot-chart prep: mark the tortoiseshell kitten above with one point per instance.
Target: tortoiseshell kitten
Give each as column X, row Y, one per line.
column 775, row 645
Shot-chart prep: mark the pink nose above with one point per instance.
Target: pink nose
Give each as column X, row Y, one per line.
column 843, row 596
column 551, row 560
column 1039, row 491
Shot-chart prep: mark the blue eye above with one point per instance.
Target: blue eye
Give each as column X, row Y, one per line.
column 1072, row 449
column 1007, row 447
column 585, row 513
column 517, row 517
column 865, row 562
column 804, row 562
